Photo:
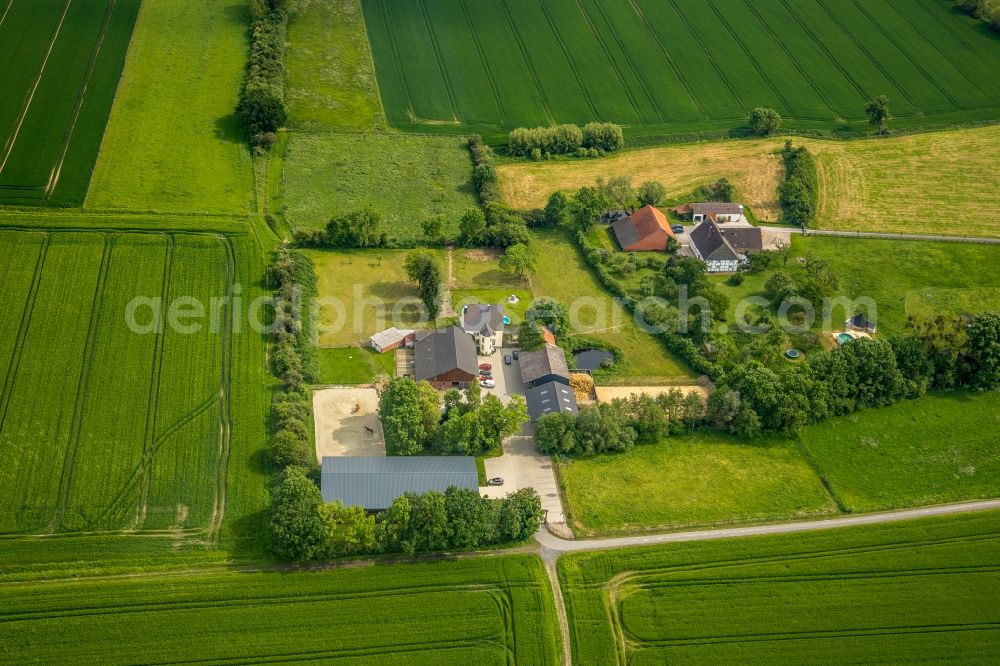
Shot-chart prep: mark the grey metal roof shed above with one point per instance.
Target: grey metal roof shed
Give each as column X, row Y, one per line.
column 374, row 482
column 551, row 398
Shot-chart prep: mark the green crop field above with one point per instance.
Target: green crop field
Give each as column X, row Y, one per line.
column 692, row 481
column 485, row 611
column 918, row 591
column 62, row 65
column 173, row 142
column 106, row 427
column 406, row 178
column 656, row 66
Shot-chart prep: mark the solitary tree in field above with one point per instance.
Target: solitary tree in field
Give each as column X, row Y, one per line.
column 764, row 121
column 422, row 268
column 652, row 192
column 878, row 113
column 517, row 260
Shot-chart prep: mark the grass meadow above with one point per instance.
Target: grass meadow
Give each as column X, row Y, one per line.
column 63, row 63
column 331, row 80
column 406, row 178
column 107, row 429
column 486, row 610
column 354, row 365
column 938, row 448
column 691, row 481
column 793, row 598
column 657, row 67
column 922, row 183
column 173, row 143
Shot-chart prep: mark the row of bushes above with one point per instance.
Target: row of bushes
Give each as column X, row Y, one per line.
column 497, row 224
column 798, row 194
column 356, row 229
column 305, row 528
column 618, row 425
column 261, row 108
column 593, row 139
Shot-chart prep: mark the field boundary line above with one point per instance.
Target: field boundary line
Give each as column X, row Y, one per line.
column 14, row 363
column 639, row 74
column 371, row 61
column 708, row 55
column 889, row 77
column 795, row 63
column 83, row 383
column 666, row 54
column 12, row 138
column 485, row 61
column 440, row 60
column 570, row 62
column 611, row 61
column 78, row 104
column 539, row 88
column 153, row 399
column 750, row 57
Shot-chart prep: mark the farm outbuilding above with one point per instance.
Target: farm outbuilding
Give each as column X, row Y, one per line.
column 550, row 398
column 390, row 338
column 543, row 366
column 644, row 230
column 446, row 358
column 374, row 482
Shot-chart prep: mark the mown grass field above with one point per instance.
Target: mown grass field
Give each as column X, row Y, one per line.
column 921, row 183
column 354, row 365
column 906, row 592
column 485, row 611
column 106, row 428
column 173, row 143
column 63, row 63
column 563, row 274
column 662, row 67
column 696, row 480
column 331, row 79
column 938, row 448
column 406, row 178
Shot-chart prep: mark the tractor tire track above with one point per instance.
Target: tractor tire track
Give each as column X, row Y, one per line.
column 225, row 397
column 486, row 62
column 152, row 402
column 397, row 62
column 12, row 138
column 539, row 88
column 610, row 58
column 440, row 60
column 666, row 54
column 569, row 61
column 14, row 364
column 78, row 105
column 83, row 384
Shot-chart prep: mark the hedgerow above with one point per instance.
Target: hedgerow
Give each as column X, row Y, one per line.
column 798, row 194
column 539, row 142
column 261, row 108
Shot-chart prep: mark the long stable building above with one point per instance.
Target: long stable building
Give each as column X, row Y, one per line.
column 374, row 482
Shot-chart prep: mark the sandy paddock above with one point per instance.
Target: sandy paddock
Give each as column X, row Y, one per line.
column 341, row 416
column 609, row 393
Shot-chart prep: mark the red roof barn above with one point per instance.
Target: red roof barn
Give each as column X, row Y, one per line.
column 644, row 230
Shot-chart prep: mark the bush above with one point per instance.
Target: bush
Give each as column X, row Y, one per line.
column 763, row 121
column 799, row 192
column 539, row 141
column 606, row 137
column 261, row 108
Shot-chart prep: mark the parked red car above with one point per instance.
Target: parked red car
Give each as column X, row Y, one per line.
column 485, row 366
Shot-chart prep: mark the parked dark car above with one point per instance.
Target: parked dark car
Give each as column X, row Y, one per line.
column 506, row 359
column 486, row 374
column 678, row 228
column 495, row 481
column 516, row 355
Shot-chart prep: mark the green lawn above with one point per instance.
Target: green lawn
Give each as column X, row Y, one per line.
column 910, row 592
column 691, row 481
column 172, row 142
column 407, row 178
column 353, row 365
column 485, row 611
column 331, row 79
column 940, row 448
column 563, row 274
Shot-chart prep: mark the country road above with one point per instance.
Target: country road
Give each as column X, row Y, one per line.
column 552, row 546
column 979, row 240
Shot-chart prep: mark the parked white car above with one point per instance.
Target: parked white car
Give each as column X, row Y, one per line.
column 488, row 383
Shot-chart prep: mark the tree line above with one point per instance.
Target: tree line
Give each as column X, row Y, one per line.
column 987, row 10
column 798, row 193
column 305, row 528
column 261, row 108
column 593, row 140
column 417, row 420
